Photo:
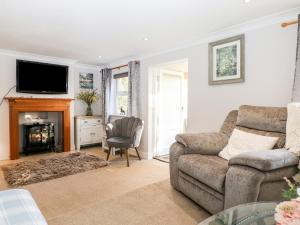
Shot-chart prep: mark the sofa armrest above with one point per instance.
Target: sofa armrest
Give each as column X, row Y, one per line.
column 266, row 160
column 203, row 143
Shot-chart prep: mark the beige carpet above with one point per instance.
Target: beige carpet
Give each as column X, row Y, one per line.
column 140, row 194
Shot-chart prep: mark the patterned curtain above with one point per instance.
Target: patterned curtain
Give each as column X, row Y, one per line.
column 296, row 86
column 134, row 98
column 106, row 93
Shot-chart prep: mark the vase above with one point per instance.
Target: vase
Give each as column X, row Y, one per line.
column 89, row 111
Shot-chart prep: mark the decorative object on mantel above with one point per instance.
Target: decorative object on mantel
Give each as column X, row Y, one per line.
column 226, row 61
column 86, row 80
column 61, row 165
column 89, row 97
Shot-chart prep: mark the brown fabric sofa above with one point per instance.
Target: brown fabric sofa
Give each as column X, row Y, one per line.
column 214, row 183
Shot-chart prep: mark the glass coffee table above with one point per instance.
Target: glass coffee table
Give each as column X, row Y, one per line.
column 256, row 213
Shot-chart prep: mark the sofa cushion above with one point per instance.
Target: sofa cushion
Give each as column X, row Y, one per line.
column 209, row 170
column 241, row 141
column 262, row 118
column 281, row 136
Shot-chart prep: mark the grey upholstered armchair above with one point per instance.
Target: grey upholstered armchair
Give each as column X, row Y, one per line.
column 124, row 133
column 215, row 183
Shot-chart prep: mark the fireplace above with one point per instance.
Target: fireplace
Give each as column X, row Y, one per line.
column 19, row 105
column 38, row 137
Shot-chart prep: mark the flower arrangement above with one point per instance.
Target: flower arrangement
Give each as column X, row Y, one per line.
column 89, row 97
column 294, row 190
column 288, row 212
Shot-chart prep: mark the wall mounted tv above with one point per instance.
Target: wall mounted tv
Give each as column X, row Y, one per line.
column 41, row 78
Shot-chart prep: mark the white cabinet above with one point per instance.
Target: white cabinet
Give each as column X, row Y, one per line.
column 88, row 130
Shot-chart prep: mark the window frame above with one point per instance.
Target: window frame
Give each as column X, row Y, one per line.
column 120, row 93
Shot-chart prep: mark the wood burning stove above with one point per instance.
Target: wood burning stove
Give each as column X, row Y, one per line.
column 39, row 137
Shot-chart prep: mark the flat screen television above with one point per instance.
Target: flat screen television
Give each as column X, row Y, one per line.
column 41, row 78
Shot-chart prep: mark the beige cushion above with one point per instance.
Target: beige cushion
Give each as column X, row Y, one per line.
column 293, row 128
column 241, row 142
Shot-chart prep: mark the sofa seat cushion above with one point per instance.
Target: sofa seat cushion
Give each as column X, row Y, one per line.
column 209, row 170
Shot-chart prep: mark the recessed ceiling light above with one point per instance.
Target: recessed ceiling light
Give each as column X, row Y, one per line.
column 247, row 1
column 146, row 39
column 100, row 56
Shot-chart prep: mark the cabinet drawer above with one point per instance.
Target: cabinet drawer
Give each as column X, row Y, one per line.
column 90, row 122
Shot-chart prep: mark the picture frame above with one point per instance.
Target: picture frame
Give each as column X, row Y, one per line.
column 86, row 80
column 227, row 61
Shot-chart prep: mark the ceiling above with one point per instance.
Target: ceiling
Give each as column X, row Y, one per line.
column 115, row 29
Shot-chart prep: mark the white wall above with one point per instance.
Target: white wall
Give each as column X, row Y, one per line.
column 270, row 62
column 8, row 79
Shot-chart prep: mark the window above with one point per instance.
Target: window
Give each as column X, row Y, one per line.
column 121, row 94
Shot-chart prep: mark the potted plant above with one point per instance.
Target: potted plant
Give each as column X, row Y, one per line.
column 89, row 97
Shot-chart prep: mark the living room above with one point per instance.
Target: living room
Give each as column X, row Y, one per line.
column 125, row 108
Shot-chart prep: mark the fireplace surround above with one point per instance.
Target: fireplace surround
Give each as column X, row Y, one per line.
column 19, row 104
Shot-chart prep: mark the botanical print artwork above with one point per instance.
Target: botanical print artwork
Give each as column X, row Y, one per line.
column 226, row 61
column 86, row 80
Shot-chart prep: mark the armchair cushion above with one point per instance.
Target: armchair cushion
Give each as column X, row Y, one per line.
column 120, row 142
column 262, row 118
column 209, row 170
column 266, row 160
column 203, row 143
column 241, row 141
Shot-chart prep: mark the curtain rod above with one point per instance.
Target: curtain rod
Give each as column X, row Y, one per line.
column 286, row 24
column 121, row 66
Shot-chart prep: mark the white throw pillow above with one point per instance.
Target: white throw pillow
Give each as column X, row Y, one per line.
column 241, row 141
column 293, row 128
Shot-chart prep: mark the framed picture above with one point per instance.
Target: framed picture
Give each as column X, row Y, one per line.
column 86, row 80
column 227, row 60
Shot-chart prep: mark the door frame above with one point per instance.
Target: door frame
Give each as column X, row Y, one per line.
column 152, row 72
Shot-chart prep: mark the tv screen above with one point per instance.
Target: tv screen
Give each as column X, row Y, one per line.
column 42, row 78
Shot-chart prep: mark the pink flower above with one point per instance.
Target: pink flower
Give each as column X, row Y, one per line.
column 288, row 212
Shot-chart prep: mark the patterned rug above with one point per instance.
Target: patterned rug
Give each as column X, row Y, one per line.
column 29, row 172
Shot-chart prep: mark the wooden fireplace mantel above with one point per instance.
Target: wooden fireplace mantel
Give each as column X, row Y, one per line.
column 19, row 104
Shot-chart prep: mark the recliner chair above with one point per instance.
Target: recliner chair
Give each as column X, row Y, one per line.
column 216, row 184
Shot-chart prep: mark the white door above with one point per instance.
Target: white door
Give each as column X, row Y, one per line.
column 170, row 110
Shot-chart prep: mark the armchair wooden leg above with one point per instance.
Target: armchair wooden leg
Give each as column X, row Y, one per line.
column 108, row 153
column 137, row 152
column 121, row 151
column 127, row 156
